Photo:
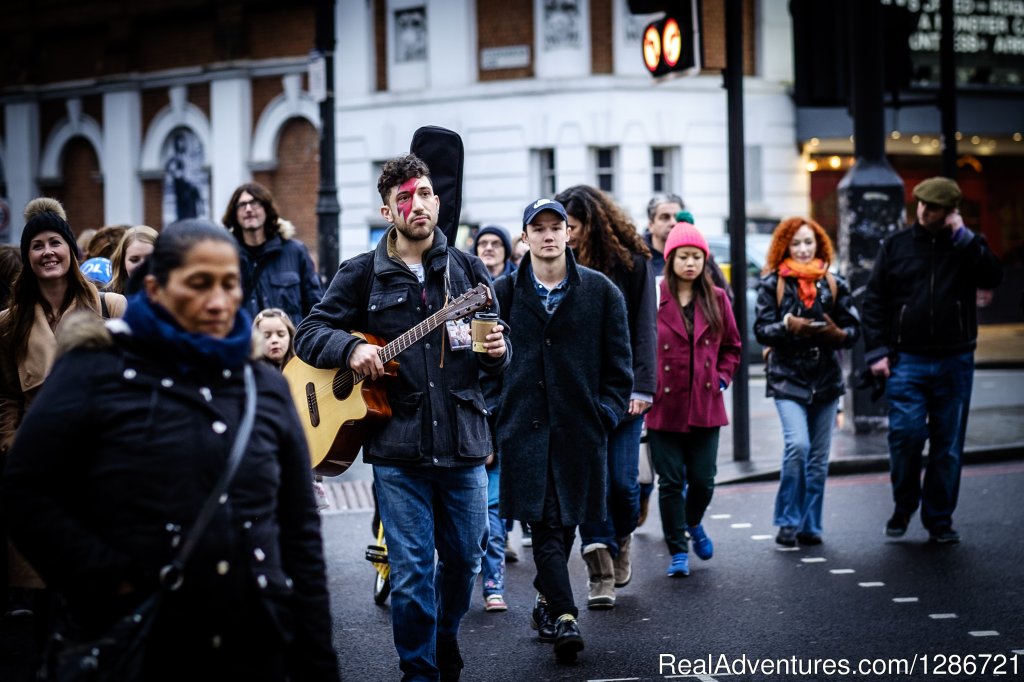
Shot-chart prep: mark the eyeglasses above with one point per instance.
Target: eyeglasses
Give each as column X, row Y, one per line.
column 252, row 203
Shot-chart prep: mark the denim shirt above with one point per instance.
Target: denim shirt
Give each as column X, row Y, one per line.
column 550, row 297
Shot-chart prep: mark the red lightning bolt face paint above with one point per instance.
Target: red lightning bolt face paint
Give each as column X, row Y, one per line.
column 404, row 205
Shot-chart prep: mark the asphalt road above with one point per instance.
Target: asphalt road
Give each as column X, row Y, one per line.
column 859, row 596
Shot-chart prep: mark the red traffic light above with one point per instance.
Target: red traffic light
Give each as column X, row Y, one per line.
column 671, row 46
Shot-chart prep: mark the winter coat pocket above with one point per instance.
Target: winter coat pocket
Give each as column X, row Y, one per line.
column 474, row 436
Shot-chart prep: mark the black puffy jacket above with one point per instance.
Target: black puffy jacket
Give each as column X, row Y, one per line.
column 120, row 450
column 921, row 296
column 804, row 369
column 280, row 276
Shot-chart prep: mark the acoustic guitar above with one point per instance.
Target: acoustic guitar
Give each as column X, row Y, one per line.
column 338, row 408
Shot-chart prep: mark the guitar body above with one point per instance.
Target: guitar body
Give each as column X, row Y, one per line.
column 335, row 415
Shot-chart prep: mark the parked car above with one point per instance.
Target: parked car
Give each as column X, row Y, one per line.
column 757, row 250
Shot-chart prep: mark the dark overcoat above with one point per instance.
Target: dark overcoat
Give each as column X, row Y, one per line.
column 117, row 455
column 566, row 388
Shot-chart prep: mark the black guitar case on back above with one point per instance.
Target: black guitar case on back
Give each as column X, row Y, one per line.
column 441, row 149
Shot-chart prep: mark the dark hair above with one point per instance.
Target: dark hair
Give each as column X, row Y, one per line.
column 25, row 295
column 10, row 267
column 266, row 199
column 610, row 238
column 398, row 170
column 105, row 241
column 175, row 242
column 668, row 198
column 703, row 292
column 778, row 249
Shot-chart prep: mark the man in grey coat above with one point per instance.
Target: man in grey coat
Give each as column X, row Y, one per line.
column 568, row 388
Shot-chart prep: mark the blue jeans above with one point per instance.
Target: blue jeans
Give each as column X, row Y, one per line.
column 807, row 437
column 424, row 509
column 623, row 488
column 493, row 571
column 929, row 399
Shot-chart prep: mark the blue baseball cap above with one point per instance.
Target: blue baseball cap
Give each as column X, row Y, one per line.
column 540, row 206
column 98, row 270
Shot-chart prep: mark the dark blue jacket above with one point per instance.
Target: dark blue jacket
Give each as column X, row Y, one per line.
column 439, row 416
column 281, row 276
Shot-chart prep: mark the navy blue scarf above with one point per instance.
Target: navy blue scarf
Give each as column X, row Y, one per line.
column 156, row 329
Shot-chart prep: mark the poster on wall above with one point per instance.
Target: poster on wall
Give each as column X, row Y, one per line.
column 186, row 178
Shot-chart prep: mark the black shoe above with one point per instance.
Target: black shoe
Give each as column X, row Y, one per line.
column 541, row 620
column 568, row 639
column 786, row 536
column 896, row 526
column 449, row 660
column 809, row 539
column 943, row 535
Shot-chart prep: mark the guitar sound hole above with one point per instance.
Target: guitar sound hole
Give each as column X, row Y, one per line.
column 342, row 384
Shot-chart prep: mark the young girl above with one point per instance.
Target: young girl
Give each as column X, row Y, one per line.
column 278, row 332
column 698, row 351
column 804, row 314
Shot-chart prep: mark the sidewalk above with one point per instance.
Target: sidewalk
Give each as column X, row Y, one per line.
column 995, row 430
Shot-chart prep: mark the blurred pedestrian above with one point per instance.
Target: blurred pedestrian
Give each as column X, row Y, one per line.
column 493, row 246
column 135, row 247
column 805, row 314
column 105, row 241
column 10, row 268
column 920, row 331
column 698, row 351
column 277, row 271
column 110, row 469
column 603, row 238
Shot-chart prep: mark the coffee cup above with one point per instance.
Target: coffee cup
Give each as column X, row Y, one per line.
column 483, row 324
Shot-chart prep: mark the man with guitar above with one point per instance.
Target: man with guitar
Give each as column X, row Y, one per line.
column 428, row 459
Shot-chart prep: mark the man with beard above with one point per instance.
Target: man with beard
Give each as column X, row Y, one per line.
column 920, row 324
column 428, row 459
column 277, row 271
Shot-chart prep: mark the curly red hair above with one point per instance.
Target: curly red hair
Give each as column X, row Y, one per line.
column 778, row 250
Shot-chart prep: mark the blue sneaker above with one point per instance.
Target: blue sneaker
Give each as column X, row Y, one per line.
column 680, row 566
column 702, row 545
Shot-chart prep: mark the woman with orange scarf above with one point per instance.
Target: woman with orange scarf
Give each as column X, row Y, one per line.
column 804, row 315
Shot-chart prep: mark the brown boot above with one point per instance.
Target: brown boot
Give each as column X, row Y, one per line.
column 623, row 567
column 645, row 505
column 601, row 585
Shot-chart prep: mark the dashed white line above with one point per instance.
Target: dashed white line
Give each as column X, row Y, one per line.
column 983, row 633
column 1017, row 651
column 873, row 584
column 741, row 525
column 814, row 560
column 760, row 537
column 904, row 600
column 616, row 679
column 787, row 549
column 941, row 616
column 841, row 571
column 721, row 516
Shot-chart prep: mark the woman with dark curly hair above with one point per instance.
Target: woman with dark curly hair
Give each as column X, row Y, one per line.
column 604, row 238
column 804, row 315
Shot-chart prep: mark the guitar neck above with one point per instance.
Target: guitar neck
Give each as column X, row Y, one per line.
column 391, row 350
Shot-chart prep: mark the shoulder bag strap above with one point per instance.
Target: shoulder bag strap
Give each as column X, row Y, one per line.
column 171, row 575
column 104, row 311
column 833, row 287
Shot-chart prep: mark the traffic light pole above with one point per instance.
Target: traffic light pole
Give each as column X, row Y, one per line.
column 328, row 209
column 737, row 221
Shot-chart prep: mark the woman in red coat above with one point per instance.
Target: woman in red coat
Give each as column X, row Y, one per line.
column 698, row 351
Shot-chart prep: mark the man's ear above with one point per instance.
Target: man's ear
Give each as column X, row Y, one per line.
column 150, row 285
column 385, row 213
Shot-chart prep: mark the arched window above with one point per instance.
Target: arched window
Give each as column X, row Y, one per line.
column 186, row 177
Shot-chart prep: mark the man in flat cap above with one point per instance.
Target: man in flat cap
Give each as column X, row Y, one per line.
column 920, row 330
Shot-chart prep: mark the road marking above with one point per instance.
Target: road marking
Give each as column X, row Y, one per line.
column 814, row 560
column 983, row 633
column 841, row 571
column 741, row 525
column 941, row 616
column 787, row 549
column 721, row 516
column 904, row 600
column 760, row 537
column 615, row 679
column 875, row 584
column 1017, row 651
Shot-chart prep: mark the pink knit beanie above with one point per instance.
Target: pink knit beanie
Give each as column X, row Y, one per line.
column 685, row 234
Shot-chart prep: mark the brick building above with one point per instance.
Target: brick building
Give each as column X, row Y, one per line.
column 110, row 106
